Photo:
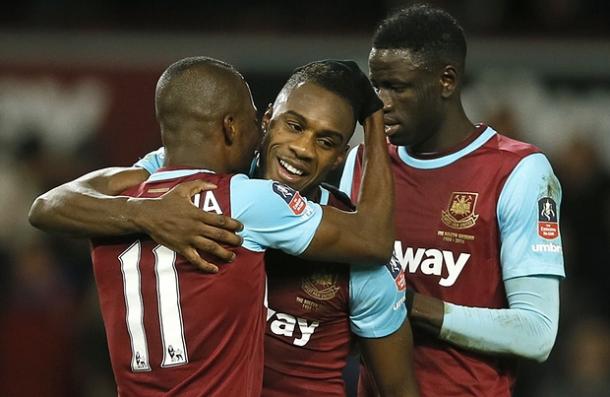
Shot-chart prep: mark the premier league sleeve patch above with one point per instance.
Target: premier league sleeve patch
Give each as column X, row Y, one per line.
column 293, row 199
column 548, row 227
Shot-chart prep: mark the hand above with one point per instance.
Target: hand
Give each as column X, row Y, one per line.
column 174, row 221
column 425, row 312
column 367, row 101
column 363, row 97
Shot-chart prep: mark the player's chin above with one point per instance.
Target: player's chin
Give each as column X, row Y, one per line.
column 399, row 140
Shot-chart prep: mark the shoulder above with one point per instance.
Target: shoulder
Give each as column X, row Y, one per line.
column 510, row 147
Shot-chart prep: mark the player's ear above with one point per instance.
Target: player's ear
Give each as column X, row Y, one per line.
column 448, row 80
column 229, row 129
column 266, row 120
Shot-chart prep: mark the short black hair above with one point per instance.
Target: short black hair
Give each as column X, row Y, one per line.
column 333, row 75
column 429, row 32
column 182, row 65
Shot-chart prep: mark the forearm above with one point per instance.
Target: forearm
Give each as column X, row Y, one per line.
column 375, row 215
column 84, row 207
column 367, row 235
column 390, row 360
column 526, row 329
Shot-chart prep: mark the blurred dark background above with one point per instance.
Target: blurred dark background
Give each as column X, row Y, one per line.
column 76, row 93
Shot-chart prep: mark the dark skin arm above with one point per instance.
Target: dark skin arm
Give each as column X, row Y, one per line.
column 87, row 207
column 390, row 360
column 367, row 235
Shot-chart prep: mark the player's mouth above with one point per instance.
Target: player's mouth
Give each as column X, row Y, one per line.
column 289, row 172
column 390, row 129
column 390, row 126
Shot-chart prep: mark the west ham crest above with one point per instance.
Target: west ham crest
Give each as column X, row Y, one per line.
column 321, row 285
column 460, row 211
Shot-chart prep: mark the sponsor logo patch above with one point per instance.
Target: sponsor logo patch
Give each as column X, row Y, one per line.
column 397, row 273
column 295, row 201
column 547, row 247
column 460, row 211
column 548, row 227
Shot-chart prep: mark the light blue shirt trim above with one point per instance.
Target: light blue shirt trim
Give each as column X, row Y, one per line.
column 522, row 251
column 324, row 196
column 444, row 161
column 269, row 220
column 376, row 304
column 152, row 161
column 165, row 175
column 345, row 185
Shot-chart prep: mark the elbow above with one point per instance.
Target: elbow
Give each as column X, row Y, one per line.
column 540, row 348
column 543, row 350
column 382, row 246
column 36, row 216
column 381, row 251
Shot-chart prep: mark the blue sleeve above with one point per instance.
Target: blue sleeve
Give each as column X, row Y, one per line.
column 377, row 297
column 345, row 185
column 528, row 218
column 152, row 161
column 273, row 215
column 528, row 328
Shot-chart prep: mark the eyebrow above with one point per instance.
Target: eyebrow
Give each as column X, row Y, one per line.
column 337, row 135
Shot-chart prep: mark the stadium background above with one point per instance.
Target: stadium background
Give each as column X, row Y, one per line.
column 76, row 93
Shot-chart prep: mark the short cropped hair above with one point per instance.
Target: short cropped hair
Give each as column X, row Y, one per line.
column 178, row 67
column 428, row 32
column 334, row 76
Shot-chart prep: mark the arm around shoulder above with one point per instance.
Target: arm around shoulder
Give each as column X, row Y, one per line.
column 87, row 206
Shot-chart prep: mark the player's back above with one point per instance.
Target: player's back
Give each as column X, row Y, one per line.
column 173, row 330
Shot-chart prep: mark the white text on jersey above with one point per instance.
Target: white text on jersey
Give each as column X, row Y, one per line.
column 412, row 259
column 210, row 204
column 284, row 324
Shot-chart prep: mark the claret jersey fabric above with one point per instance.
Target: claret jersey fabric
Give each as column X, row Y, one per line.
column 314, row 310
column 466, row 221
column 175, row 331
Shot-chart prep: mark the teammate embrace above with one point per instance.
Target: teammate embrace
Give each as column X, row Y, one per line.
column 473, row 206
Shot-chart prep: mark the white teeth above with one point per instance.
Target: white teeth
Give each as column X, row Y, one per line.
column 291, row 168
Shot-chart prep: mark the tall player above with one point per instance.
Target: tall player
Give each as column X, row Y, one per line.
column 313, row 307
column 476, row 216
column 163, row 341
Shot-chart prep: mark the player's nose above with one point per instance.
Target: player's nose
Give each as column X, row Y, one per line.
column 302, row 146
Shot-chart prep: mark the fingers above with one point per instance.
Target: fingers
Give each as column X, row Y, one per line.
column 220, row 221
column 214, row 249
column 193, row 257
column 190, row 188
column 221, row 236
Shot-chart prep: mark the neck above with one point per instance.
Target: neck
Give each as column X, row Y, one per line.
column 195, row 157
column 451, row 131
